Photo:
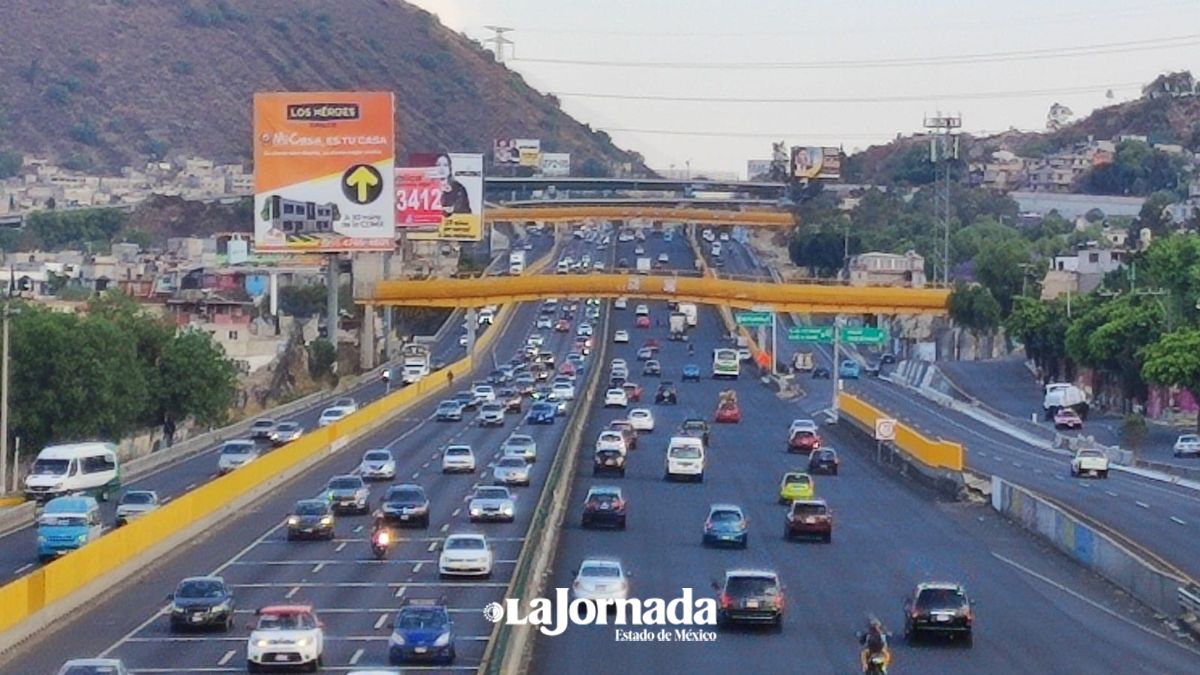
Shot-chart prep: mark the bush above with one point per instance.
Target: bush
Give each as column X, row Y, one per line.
column 427, row 62
column 10, row 163
column 1133, row 431
column 321, row 357
column 79, row 161
column 281, row 25
column 89, row 66
column 58, row 94
column 182, row 67
column 85, row 132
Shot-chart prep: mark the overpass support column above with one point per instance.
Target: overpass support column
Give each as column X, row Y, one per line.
column 388, row 312
column 331, row 298
column 366, row 353
column 472, row 329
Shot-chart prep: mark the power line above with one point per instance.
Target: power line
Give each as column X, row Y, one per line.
column 748, row 134
column 960, row 59
column 862, row 99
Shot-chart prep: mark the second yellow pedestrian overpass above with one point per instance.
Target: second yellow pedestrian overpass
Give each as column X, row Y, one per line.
column 801, row 298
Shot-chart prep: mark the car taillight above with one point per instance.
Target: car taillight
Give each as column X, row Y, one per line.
column 726, row 601
column 617, row 504
column 742, row 523
column 708, row 524
column 589, row 507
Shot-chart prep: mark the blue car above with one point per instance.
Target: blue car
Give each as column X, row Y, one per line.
column 541, row 412
column 691, row 372
column 726, row 526
column 849, row 370
column 422, row 631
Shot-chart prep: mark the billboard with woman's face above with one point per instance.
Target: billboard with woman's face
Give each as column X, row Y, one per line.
column 452, row 185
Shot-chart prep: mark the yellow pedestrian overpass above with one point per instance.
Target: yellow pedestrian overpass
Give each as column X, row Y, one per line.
column 707, row 216
column 801, row 298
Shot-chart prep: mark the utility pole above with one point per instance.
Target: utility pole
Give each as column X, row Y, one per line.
column 943, row 147
column 8, row 312
column 499, row 41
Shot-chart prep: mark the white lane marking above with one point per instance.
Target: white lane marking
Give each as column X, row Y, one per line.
column 22, row 568
column 380, row 621
column 416, row 474
column 425, row 465
column 339, row 547
column 1110, row 493
column 432, row 546
column 226, row 659
column 400, row 591
column 189, row 487
column 294, row 591
column 417, row 567
column 358, row 528
column 1093, row 603
column 445, row 527
column 357, row 655
column 1178, row 521
column 1017, row 464
column 1038, row 471
column 454, row 514
column 318, row 567
column 1144, row 505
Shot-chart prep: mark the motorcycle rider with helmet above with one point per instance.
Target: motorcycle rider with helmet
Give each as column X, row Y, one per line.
column 874, row 643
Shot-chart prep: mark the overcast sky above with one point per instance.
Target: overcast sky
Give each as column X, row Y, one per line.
column 1117, row 34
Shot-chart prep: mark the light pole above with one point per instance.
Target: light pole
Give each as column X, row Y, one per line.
column 8, row 312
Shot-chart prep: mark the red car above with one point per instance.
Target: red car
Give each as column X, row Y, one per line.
column 804, row 440
column 729, row 413
column 562, row 325
column 643, row 322
column 1067, row 418
column 650, row 343
column 633, row 391
column 566, row 368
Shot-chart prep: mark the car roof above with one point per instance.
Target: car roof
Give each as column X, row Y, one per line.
column 458, row 446
column 724, row 507
column 70, row 505
column 286, row 609
column 604, row 490
column 750, row 572
column 405, row 486
column 265, row 420
column 217, row 579
column 796, row 473
column 72, row 450
column 940, row 585
column 600, row 560
column 466, row 535
column 318, row 502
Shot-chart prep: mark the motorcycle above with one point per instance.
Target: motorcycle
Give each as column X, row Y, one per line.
column 877, row 664
column 381, row 541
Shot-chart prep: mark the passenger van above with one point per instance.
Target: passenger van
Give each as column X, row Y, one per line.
column 66, row 524
column 685, row 458
column 88, row 468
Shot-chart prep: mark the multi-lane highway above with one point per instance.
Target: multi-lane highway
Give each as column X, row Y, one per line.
column 1037, row 613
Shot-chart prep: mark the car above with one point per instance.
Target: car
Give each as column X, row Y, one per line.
column 691, row 372
column 449, row 411
column 616, row 364
column 310, row 519
column 520, row 445
column 642, row 322
column 728, row 412
column 821, row 373
column 1187, row 445
column 581, row 348
column 525, row 382
column 377, row 464
column 604, row 505
column 466, row 555
column 422, row 632
column 264, row 429
column 498, row 377
column 331, row 415
column 289, row 635
column 808, row 518
column 541, row 412
column 236, row 453
column 491, row 414
column 562, row 325
column 563, row 389
column 1066, row 418
column 584, row 330
column 639, row 250
column 664, row 258
column 458, row 459
column 621, row 303
column 652, row 368
column 616, row 397
column 939, row 607
column 94, row 667
column 626, row 428
column 651, row 344
column 511, row 470
column 750, row 596
column 849, row 370
column 726, row 524
column 491, row 502
column 348, row 493
column 287, row 432
column 201, row 602
column 610, row 453
column 463, row 339
column 685, row 459
column 135, row 504
column 484, row 393
column 567, row 369
column 642, row 310
column 695, row 427
column 468, row 400
column 405, row 504
column 796, row 485
column 645, row 354
column 666, row 394
column 600, row 580
column 621, row 337
column 511, row 399
column 642, row 419
column 1090, row 461
column 633, row 391
column 544, row 322
column 804, row 440
column 823, row 461
column 611, row 439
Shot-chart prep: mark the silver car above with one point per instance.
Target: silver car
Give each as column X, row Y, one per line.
column 520, row 445
column 377, row 465
column 287, row 432
column 511, row 470
column 491, row 415
column 491, row 503
column 265, row 429
column 136, row 503
column 235, row 454
column 348, row 493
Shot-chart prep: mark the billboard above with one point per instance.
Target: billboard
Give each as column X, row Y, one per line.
column 323, row 171
column 811, row 162
column 758, row 169
column 517, row 152
column 459, row 197
column 556, row 164
column 418, row 198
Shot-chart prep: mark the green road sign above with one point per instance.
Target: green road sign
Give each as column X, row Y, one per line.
column 753, row 318
column 864, row 336
column 822, row 334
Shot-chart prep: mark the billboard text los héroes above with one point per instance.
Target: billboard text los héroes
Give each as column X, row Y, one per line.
column 324, row 171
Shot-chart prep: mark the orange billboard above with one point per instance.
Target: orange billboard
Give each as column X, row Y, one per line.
column 324, row 171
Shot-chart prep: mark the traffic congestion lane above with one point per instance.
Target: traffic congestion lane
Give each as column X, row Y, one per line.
column 887, row 537
column 98, row 631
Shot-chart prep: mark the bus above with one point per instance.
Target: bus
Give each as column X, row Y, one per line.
column 726, row 363
column 295, row 217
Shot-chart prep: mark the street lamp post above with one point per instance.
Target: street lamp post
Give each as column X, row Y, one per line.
column 8, row 312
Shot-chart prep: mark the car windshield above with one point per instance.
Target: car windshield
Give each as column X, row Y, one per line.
column 237, row 448
column 520, row 440
column 464, row 544
column 458, row 452
column 345, row 403
column 422, row 618
column 934, row 599
column 826, row 454
column 310, row 509
column 603, row 497
column 542, row 407
column 751, row 586
column 604, row 571
column 491, row 493
column 448, row 405
column 288, row 426
column 611, row 437
column 137, row 498
column 404, row 495
column 509, row 462
column 53, row 520
column 492, row 407
column 333, row 412
column 725, row 517
column 200, row 589
column 794, row 479
column 804, row 434
column 685, row 452
column 50, row 467
column 346, row 483
column 694, row 424
column 808, row 509
column 378, row 456
column 284, row 622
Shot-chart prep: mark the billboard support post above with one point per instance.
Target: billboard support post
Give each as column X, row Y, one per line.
column 331, row 298
column 472, row 329
column 367, row 355
column 387, row 311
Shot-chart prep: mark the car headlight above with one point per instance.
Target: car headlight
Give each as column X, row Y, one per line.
column 507, row 508
column 41, row 539
column 326, row 520
column 397, row 639
column 443, row 640
column 82, row 539
column 302, row 642
column 293, row 520
column 57, row 486
column 176, row 608
column 475, row 510
column 223, row 607
column 261, row 643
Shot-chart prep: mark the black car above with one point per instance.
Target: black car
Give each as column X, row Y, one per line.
column 938, row 607
column 406, row 505
column 201, row 602
column 821, row 373
column 467, row 399
column 310, row 519
column 652, row 368
column 887, row 358
column 695, row 427
column 666, row 394
column 604, row 506
column 750, row 596
column 606, row 461
column 823, row 460
column 617, row 382
column 497, row 377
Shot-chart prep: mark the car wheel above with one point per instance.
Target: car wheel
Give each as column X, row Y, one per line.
column 777, row 625
column 969, row 639
column 1104, row 474
column 621, row 525
column 834, row 472
column 425, row 523
column 745, row 543
column 252, row 667
column 451, row 656
column 700, row 478
column 291, row 537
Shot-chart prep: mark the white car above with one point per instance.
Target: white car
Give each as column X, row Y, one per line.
column 639, row 250
column 377, row 465
column 520, row 445
column 584, row 330
column 511, row 470
column 236, row 453
column 286, row 634
column 563, row 390
column 724, row 236
column 89, row 666
column 600, row 579
column 462, row 340
column 598, row 266
column 458, row 458
column 346, row 403
column 136, row 503
column 642, row 419
column 484, row 393
column 611, row 440
column 466, row 555
column 618, row 364
column 642, row 310
column 1187, row 444
column 487, row 317
column 491, row 502
column 536, row 340
column 616, row 397
column 708, row 236
column 620, row 371
column 685, row 458
column 621, row 337
column 332, row 414
column 1088, row 461
column 664, row 258
column 544, row 322
column 621, row 303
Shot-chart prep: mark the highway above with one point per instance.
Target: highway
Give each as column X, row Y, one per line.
column 1037, row 612
column 1161, row 517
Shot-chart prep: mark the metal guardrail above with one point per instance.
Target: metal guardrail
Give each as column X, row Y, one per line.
column 1189, row 599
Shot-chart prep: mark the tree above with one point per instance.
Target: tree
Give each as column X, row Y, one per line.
column 198, row 380
column 594, row 168
column 999, row 267
column 1178, row 83
column 1094, row 216
column 974, row 308
column 1133, row 431
column 322, row 356
column 1174, row 361
column 1041, row 327
column 1110, row 336
column 302, row 301
column 1173, row 263
column 10, row 163
column 1154, row 214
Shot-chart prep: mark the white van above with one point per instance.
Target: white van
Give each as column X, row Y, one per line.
column 685, row 458
column 77, row 468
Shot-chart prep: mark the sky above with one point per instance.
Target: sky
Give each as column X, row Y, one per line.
column 777, row 56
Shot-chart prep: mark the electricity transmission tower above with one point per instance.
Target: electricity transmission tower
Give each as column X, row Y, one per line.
column 499, row 41
column 943, row 149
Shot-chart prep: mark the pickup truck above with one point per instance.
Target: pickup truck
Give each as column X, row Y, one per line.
column 1088, row 461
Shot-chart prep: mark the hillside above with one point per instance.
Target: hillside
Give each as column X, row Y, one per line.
column 101, row 84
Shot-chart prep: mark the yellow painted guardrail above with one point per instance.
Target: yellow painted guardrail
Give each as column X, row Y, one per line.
column 940, row 454
column 691, row 215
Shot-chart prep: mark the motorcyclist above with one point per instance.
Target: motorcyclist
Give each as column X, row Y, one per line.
column 691, row 350
column 874, row 641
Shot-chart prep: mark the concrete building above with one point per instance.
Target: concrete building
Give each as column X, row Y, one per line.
column 1082, row 271
column 1074, row 206
column 888, row 269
